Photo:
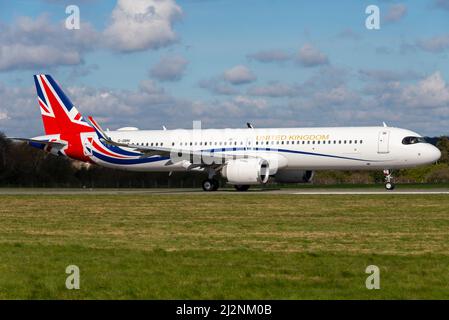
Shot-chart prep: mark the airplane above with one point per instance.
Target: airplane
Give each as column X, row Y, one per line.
column 244, row 157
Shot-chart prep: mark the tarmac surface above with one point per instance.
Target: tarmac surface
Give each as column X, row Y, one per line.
column 167, row 191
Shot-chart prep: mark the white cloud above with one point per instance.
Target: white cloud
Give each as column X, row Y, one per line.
column 217, row 86
column 396, row 12
column 442, row 4
column 348, row 33
column 309, row 56
column 270, row 56
column 387, row 75
column 20, row 56
column 82, row 70
column 37, row 43
column 142, row 24
column 274, row 90
column 337, row 96
column 239, row 74
column 431, row 92
column 3, row 115
column 251, row 102
column 435, row 44
column 169, row 68
column 237, row 108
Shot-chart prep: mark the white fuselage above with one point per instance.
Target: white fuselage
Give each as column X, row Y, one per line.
column 344, row 148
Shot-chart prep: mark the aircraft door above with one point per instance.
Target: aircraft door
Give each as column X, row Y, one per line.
column 383, row 142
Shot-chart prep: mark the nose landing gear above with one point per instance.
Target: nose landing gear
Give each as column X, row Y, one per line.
column 389, row 185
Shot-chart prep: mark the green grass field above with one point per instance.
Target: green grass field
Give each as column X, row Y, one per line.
column 224, row 246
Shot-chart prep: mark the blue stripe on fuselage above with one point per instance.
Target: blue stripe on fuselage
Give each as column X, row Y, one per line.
column 120, row 150
column 286, row 151
column 127, row 161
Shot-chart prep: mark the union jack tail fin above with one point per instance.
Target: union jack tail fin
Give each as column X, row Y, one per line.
column 59, row 115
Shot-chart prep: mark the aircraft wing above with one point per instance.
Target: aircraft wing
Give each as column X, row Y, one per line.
column 148, row 151
column 42, row 142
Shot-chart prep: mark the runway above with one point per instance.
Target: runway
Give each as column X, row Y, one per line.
column 394, row 192
column 228, row 191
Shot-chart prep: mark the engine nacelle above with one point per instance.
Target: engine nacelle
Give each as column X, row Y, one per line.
column 246, row 171
column 294, row 176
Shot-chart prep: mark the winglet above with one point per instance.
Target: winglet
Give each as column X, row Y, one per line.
column 100, row 132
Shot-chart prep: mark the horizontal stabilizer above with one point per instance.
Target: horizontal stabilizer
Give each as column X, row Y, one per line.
column 41, row 142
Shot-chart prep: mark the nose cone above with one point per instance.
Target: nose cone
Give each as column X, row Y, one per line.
column 430, row 153
column 434, row 154
column 427, row 153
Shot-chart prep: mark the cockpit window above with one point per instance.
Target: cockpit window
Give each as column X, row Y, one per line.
column 413, row 140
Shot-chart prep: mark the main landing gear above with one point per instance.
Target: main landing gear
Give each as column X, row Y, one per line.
column 389, row 185
column 210, row 185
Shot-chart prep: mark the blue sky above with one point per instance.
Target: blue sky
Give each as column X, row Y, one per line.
column 226, row 62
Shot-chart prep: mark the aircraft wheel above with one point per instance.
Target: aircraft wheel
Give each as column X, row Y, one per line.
column 241, row 187
column 209, row 185
column 389, row 186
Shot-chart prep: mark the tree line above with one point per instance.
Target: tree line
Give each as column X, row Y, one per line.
column 25, row 166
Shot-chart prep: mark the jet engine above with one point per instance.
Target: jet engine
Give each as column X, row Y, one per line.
column 246, row 171
column 294, row 176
